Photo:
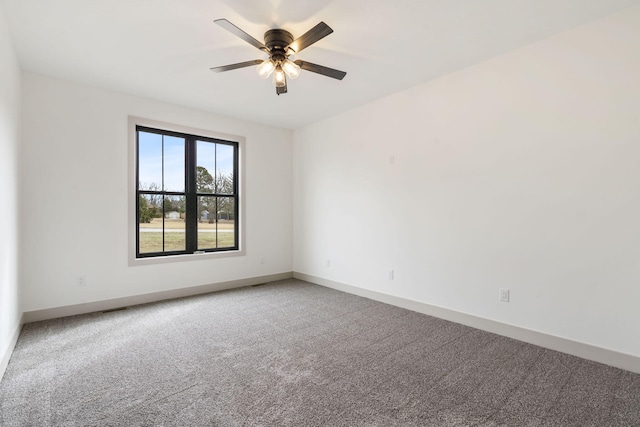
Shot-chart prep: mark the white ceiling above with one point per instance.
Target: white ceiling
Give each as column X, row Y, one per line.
column 163, row 49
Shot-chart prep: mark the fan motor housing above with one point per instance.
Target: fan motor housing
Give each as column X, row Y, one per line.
column 277, row 40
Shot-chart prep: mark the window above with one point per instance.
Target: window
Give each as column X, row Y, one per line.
column 186, row 193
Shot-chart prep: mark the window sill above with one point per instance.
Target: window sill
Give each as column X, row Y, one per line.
column 133, row 262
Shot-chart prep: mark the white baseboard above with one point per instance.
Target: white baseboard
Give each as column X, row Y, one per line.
column 5, row 356
column 564, row 345
column 72, row 310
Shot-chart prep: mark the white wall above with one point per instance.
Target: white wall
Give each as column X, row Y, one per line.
column 9, row 208
column 74, row 181
column 522, row 172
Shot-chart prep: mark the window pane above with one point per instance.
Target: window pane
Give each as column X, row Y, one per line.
column 206, row 223
column 226, row 222
column 150, row 220
column 224, row 169
column 149, row 161
column 173, row 163
column 174, row 224
column 205, row 166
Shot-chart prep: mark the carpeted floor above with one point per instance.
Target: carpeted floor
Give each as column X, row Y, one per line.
column 296, row 354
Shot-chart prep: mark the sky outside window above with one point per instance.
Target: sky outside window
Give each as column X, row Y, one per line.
column 151, row 162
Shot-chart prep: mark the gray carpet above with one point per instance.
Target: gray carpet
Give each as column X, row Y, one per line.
column 295, row 354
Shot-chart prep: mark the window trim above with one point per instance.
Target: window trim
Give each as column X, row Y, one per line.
column 132, row 185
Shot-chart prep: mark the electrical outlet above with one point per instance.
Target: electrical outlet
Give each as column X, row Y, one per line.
column 328, row 263
column 261, row 260
column 390, row 275
column 82, row 280
column 504, row 295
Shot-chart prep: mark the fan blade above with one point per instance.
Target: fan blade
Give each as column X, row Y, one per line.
column 239, row 33
column 325, row 71
column 236, row 66
column 318, row 32
column 283, row 89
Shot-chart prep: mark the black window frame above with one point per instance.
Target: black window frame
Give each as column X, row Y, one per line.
column 191, row 194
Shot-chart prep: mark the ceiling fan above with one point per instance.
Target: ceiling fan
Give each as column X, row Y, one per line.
column 279, row 45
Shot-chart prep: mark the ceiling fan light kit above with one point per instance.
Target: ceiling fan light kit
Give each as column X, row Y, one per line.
column 279, row 44
column 265, row 69
column 279, row 80
column 291, row 69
